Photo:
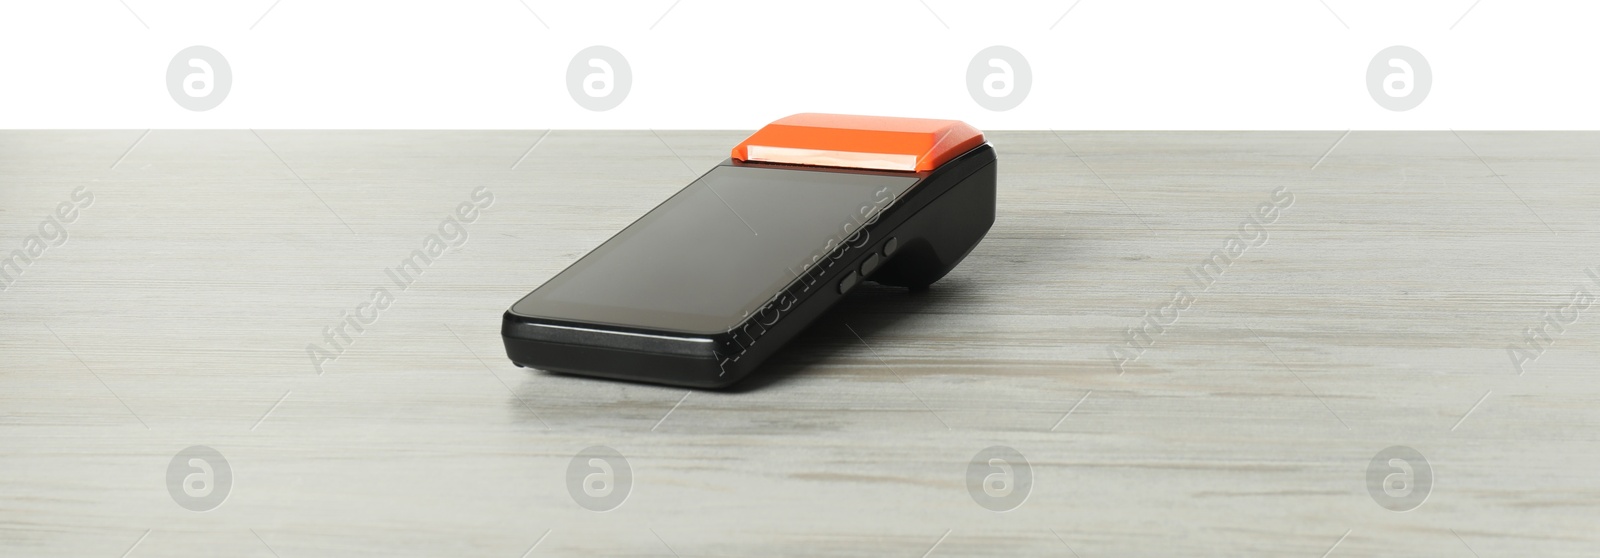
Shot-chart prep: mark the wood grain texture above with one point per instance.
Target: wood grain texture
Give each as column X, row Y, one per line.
column 1378, row 313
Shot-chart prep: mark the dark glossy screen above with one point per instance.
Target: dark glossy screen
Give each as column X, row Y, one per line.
column 716, row 250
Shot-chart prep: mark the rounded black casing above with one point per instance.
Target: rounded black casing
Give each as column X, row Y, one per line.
column 931, row 228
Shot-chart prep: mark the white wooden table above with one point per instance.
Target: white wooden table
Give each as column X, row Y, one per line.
column 1378, row 313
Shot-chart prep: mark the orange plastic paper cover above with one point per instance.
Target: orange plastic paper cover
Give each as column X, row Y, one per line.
column 863, row 142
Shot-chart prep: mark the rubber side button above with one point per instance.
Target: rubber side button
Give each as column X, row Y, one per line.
column 890, row 245
column 849, row 281
column 871, row 264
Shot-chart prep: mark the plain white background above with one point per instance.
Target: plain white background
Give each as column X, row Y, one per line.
column 704, row 64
